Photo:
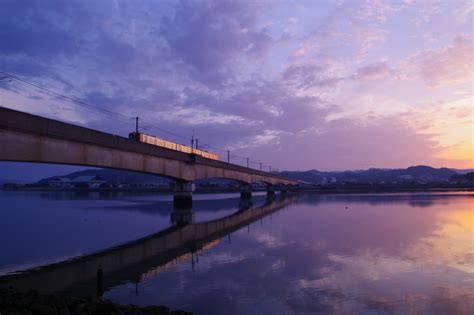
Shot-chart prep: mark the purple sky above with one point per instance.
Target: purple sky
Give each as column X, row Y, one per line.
column 328, row 85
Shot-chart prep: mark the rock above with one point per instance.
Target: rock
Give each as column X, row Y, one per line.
column 42, row 309
column 64, row 311
column 30, row 297
column 14, row 302
column 158, row 309
column 10, row 311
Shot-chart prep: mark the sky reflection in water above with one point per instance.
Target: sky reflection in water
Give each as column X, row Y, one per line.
column 38, row 228
column 393, row 253
column 384, row 253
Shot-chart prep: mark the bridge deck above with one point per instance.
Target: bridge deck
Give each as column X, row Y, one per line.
column 15, row 121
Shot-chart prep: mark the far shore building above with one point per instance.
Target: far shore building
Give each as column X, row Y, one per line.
column 91, row 181
column 60, row 182
column 85, row 181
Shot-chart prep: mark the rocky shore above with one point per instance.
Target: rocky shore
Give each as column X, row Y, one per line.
column 14, row 302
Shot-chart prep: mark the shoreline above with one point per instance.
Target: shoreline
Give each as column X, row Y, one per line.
column 14, row 301
column 389, row 190
column 229, row 190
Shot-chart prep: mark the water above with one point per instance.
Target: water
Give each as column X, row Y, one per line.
column 336, row 254
column 37, row 228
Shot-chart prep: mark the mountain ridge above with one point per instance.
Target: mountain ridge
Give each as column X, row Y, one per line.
column 418, row 173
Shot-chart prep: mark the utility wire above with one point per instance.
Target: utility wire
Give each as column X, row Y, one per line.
column 145, row 124
column 85, row 104
column 72, row 99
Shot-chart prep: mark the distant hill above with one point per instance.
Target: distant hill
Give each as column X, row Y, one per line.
column 116, row 176
column 464, row 171
column 412, row 174
column 12, row 181
column 462, row 178
column 419, row 173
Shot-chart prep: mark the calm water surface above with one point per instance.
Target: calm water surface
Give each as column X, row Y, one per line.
column 335, row 254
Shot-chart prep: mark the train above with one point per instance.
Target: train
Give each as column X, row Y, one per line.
column 153, row 140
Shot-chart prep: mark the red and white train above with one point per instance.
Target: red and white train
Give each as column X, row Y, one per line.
column 171, row 145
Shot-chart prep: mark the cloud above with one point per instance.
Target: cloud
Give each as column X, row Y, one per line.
column 349, row 30
column 465, row 11
column 310, row 75
column 453, row 64
column 232, row 71
column 210, row 38
column 345, row 144
column 38, row 34
column 373, row 72
column 200, row 116
column 269, row 102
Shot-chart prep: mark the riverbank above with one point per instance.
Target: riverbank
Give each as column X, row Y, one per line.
column 14, row 302
column 331, row 190
column 386, row 190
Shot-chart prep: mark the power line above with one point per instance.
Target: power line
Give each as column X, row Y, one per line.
column 72, row 99
column 85, row 104
column 7, row 76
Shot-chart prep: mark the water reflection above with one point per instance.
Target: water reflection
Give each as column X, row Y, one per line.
column 38, row 228
column 335, row 254
column 181, row 217
column 381, row 254
column 127, row 262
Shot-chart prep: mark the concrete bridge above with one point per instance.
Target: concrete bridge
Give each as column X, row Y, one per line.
column 137, row 260
column 30, row 138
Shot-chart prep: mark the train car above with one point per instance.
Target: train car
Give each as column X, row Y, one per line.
column 138, row 136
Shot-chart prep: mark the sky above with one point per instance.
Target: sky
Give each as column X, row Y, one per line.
column 298, row 85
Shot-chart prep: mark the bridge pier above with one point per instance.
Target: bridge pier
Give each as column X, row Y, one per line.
column 292, row 188
column 183, row 195
column 270, row 191
column 182, row 216
column 245, row 204
column 245, row 191
column 284, row 189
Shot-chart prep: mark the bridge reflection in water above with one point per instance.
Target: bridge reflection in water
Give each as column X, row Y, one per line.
column 136, row 260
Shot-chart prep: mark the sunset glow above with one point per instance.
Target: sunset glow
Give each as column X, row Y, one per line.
column 328, row 85
column 237, row 156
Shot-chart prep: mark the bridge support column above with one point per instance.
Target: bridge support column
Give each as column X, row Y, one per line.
column 270, row 191
column 245, row 204
column 284, row 189
column 182, row 216
column 245, row 191
column 183, row 195
column 291, row 188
